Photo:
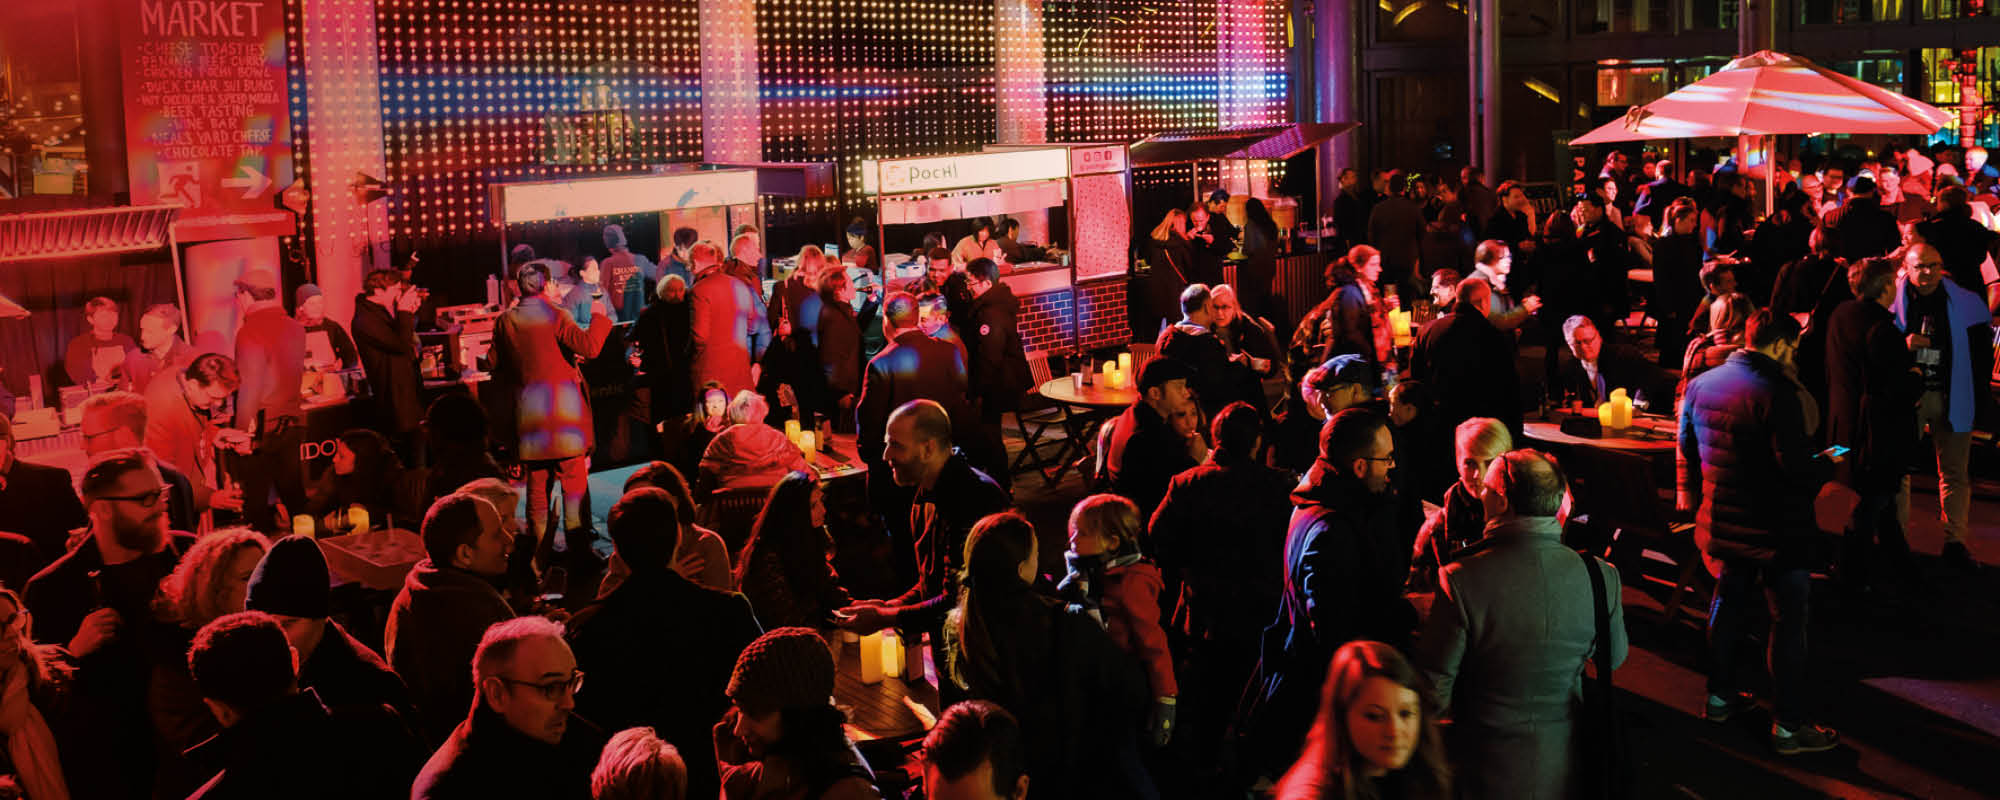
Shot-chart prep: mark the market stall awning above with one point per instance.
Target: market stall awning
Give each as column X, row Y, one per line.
column 1264, row 142
column 1772, row 93
column 86, row 232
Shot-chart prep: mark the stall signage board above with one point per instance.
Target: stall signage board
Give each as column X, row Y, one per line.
column 1093, row 160
column 905, row 175
column 539, row 201
column 207, row 117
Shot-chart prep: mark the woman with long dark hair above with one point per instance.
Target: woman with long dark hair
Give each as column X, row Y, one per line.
column 1260, row 267
column 781, row 739
column 1345, row 321
column 1079, row 698
column 1374, row 737
column 785, row 568
column 1676, row 277
column 365, row 472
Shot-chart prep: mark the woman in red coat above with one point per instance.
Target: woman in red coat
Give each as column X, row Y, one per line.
column 535, row 352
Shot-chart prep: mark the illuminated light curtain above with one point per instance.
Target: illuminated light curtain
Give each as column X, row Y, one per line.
column 1120, row 70
column 731, row 127
column 344, row 114
column 476, row 91
column 1021, row 65
column 1252, row 84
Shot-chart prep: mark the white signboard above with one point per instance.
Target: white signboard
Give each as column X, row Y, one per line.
column 623, row 194
column 1093, row 160
column 940, row 173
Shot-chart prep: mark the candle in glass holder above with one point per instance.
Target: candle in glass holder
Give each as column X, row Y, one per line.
column 871, row 658
column 1606, row 417
column 302, row 525
column 357, row 518
column 1399, row 326
column 892, row 653
column 808, row 443
column 792, row 430
column 1125, row 362
column 1621, row 411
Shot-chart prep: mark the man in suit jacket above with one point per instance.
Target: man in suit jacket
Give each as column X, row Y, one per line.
column 1509, row 634
column 36, row 502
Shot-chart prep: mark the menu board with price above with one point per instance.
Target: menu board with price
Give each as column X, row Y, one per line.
column 207, row 118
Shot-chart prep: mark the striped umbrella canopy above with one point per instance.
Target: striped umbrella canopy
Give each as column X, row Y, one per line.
column 1772, row 93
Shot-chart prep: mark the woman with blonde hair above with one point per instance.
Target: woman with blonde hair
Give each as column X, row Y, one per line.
column 30, row 674
column 1462, row 518
column 1171, row 257
column 212, row 580
column 1374, row 737
column 638, row 765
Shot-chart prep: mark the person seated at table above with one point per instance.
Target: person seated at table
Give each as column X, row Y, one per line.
column 521, row 736
column 446, row 602
column 96, row 357
column 365, row 472
column 1461, row 519
column 210, row 581
column 786, row 569
column 292, row 583
column 1727, row 318
column 1341, row 383
column 1145, row 450
column 638, row 765
column 310, row 305
column 748, row 453
column 660, row 648
column 37, row 502
column 975, row 752
column 703, row 556
column 1595, row 368
column 782, row 738
column 1012, row 644
column 708, row 420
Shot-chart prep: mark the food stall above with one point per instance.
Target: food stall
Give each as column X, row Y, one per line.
column 795, row 208
column 1058, row 192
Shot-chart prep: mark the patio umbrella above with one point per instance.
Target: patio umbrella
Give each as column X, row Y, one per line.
column 1772, row 93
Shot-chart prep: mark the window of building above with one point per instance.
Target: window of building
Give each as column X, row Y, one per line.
column 1623, row 16
column 41, row 102
column 1708, row 14
column 1845, row 12
column 1622, row 86
column 1954, row 9
column 1419, row 20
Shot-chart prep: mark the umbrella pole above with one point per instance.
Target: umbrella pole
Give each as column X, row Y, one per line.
column 1770, row 174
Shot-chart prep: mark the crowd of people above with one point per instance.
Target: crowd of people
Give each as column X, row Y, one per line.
column 1234, row 607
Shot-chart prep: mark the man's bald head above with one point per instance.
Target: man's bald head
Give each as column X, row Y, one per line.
column 926, row 419
column 1530, row 481
column 1475, row 294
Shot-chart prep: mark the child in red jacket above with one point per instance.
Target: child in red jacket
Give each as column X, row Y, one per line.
column 1121, row 587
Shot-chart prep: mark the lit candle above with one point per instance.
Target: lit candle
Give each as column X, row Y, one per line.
column 892, row 654
column 1110, row 367
column 1399, row 326
column 1621, row 410
column 807, row 443
column 792, row 430
column 1606, row 417
column 871, row 658
column 1125, row 362
column 302, row 525
column 357, row 518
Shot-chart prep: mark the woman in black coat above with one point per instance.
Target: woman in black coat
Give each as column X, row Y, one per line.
column 1260, row 249
column 1676, row 277
column 1171, row 258
column 840, row 355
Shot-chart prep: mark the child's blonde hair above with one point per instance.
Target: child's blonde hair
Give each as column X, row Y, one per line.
column 1109, row 515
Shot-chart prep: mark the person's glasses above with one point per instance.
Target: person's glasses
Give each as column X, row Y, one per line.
column 1930, row 265
column 1391, row 458
column 148, row 498
column 91, row 437
column 554, row 690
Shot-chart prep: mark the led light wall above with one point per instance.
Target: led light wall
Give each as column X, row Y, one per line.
column 477, row 91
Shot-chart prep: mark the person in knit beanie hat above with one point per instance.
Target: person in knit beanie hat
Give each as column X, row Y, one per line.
column 291, row 583
column 783, row 739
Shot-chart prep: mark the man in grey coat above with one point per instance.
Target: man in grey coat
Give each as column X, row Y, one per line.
column 1509, row 635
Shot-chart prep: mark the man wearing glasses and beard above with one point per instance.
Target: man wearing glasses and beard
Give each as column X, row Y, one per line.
column 98, row 598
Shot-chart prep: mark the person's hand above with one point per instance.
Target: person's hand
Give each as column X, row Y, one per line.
column 230, row 499
column 234, row 440
column 865, row 617
column 409, row 301
column 1532, row 303
column 1917, row 340
column 756, row 374
column 691, row 564
column 599, row 309
column 98, row 629
column 1161, row 726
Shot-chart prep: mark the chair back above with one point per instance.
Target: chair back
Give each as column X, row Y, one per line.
column 731, row 513
column 1142, row 354
column 1038, row 366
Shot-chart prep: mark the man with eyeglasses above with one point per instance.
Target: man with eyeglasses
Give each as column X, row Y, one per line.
column 520, row 739
column 1344, row 569
column 98, row 598
column 1944, row 324
column 280, row 739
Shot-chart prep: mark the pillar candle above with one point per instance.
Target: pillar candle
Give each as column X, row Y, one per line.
column 808, row 443
column 1125, row 362
column 302, row 525
column 357, row 518
column 892, row 653
column 1621, row 411
column 871, row 658
column 1605, row 416
column 792, row 430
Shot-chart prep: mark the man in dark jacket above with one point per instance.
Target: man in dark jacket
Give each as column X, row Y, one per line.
column 1748, row 471
column 1212, row 373
column 1350, row 210
column 291, row 584
column 446, row 601
column 521, row 738
column 1654, row 197
column 1861, row 227
column 270, row 359
column 950, row 497
column 98, row 600
column 659, row 646
column 1229, row 584
column 1962, row 243
column 1600, row 263
column 1145, row 451
column 1396, row 227
column 1344, row 572
column 278, row 737
column 1873, row 386
column 37, row 502
column 999, row 365
column 666, row 352
column 913, row 367
column 1469, row 363
column 1477, row 199
column 385, row 330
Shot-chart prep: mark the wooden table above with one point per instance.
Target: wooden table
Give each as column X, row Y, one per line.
column 1617, row 478
column 891, row 710
column 1098, row 403
column 1648, row 436
column 839, row 459
column 1063, row 390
